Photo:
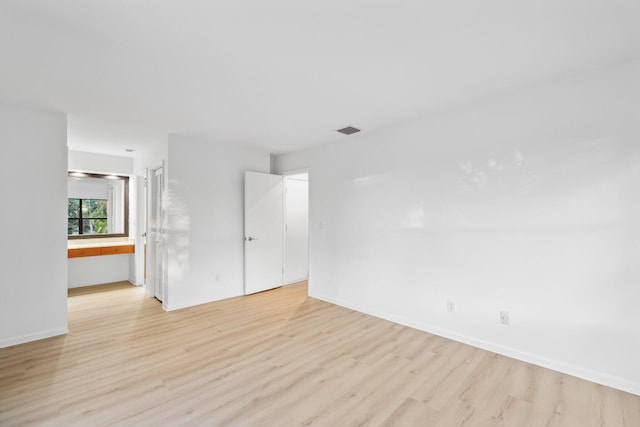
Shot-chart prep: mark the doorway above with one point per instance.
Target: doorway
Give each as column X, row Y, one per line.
column 296, row 228
column 276, row 227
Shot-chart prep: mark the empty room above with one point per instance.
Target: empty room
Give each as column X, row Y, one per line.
column 320, row 213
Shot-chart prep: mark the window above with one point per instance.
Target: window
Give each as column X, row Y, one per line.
column 98, row 206
column 88, row 216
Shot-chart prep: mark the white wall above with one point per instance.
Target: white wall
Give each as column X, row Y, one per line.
column 33, row 252
column 100, row 163
column 96, row 270
column 296, row 259
column 137, row 229
column 528, row 203
column 205, row 219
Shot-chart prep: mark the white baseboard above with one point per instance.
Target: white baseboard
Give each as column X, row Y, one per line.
column 7, row 342
column 556, row 365
column 294, row 281
column 193, row 303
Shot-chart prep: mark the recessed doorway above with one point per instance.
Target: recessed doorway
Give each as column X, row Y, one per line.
column 296, row 230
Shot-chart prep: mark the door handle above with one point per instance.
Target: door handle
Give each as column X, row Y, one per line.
column 250, row 238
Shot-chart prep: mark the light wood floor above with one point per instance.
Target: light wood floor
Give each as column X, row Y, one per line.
column 277, row 358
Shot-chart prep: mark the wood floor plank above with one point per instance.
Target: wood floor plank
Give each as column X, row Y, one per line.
column 277, row 358
column 411, row 413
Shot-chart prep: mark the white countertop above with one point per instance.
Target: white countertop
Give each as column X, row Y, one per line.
column 99, row 242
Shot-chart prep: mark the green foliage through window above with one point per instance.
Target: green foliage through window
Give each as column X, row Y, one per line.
column 87, row 216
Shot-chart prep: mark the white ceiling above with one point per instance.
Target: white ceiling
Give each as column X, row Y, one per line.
column 285, row 74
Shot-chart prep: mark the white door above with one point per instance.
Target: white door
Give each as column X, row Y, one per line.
column 263, row 231
column 155, row 247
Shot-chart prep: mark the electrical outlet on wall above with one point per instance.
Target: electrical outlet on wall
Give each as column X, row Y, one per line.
column 451, row 306
column 504, row 317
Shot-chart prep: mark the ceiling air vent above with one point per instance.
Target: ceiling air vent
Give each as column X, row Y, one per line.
column 348, row 130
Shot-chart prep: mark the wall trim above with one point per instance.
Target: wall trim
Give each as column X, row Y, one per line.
column 556, row 365
column 195, row 303
column 292, row 282
column 7, row 342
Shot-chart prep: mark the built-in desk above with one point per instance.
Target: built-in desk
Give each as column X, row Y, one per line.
column 88, row 266
column 104, row 250
column 83, row 249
